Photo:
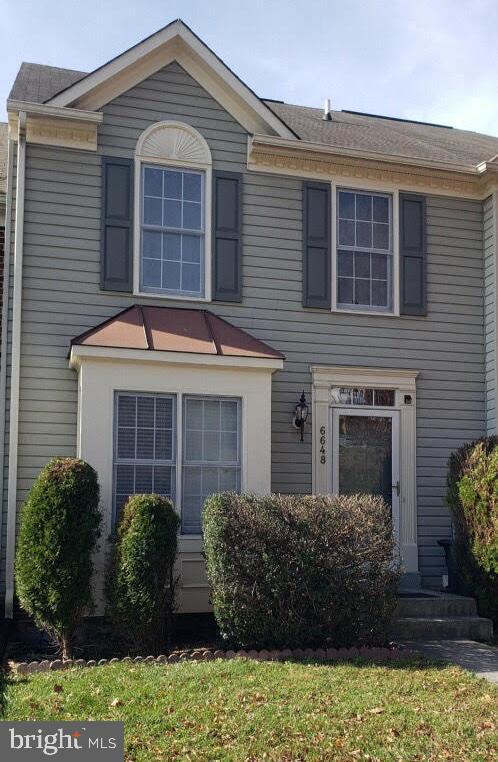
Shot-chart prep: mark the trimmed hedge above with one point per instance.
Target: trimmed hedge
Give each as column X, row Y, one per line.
column 300, row 570
column 141, row 586
column 58, row 532
column 472, row 496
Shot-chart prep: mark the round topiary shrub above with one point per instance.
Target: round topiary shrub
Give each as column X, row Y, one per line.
column 300, row 570
column 141, row 587
column 472, row 496
column 59, row 528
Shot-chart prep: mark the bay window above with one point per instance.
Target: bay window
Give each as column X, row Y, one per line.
column 147, row 450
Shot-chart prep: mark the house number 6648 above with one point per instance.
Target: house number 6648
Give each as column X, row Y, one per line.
column 323, row 442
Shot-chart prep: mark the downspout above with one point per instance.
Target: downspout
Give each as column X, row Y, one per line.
column 15, row 368
column 5, row 317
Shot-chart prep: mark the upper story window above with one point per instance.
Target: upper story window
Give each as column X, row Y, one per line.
column 364, row 251
column 173, row 170
column 172, row 231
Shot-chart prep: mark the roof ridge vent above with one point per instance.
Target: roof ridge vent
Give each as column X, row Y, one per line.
column 327, row 115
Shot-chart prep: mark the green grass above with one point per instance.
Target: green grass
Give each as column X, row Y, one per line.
column 246, row 711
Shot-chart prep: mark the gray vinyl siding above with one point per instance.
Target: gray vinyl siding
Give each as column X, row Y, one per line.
column 61, row 298
column 490, row 313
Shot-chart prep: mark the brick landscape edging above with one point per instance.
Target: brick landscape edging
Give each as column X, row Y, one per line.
column 206, row 654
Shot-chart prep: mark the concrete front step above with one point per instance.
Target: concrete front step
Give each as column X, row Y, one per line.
column 436, row 606
column 447, row 628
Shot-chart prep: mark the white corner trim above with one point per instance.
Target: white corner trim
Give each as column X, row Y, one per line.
column 15, row 368
column 173, row 144
column 80, row 353
column 494, row 199
column 174, row 42
column 5, row 313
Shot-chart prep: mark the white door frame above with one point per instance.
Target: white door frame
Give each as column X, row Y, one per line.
column 327, row 377
column 371, row 412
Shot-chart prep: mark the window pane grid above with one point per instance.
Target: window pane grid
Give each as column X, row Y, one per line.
column 172, row 234
column 211, row 454
column 144, row 446
column 145, row 450
column 364, row 255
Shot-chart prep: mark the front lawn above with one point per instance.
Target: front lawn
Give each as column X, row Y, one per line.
column 245, row 711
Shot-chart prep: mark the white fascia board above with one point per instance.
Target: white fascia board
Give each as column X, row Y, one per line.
column 270, row 141
column 40, row 109
column 79, row 353
column 158, row 49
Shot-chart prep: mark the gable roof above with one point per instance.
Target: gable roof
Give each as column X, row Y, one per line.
column 173, row 329
column 176, row 41
column 346, row 131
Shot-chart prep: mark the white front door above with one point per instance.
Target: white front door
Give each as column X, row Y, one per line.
column 365, row 455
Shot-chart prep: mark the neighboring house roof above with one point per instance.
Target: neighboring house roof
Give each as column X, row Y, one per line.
column 347, row 130
column 172, row 329
column 3, row 158
column 36, row 83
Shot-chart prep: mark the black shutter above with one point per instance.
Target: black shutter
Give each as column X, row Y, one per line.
column 413, row 254
column 316, row 244
column 116, row 245
column 227, row 244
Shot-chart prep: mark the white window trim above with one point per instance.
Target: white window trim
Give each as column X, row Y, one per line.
column 167, row 157
column 180, row 454
column 116, row 460
column 368, row 188
column 179, row 399
column 325, row 378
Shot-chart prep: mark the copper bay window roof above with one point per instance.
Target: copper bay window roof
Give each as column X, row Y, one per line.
column 172, row 329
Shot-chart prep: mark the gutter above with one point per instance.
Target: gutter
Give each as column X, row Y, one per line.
column 292, row 147
column 15, row 368
column 40, row 109
column 5, row 317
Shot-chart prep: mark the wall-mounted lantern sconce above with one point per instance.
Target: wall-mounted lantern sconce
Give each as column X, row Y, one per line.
column 300, row 415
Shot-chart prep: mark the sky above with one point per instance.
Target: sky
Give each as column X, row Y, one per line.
column 429, row 60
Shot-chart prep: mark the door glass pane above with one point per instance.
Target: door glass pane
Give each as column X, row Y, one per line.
column 365, row 455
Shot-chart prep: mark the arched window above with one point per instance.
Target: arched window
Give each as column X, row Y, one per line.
column 173, row 192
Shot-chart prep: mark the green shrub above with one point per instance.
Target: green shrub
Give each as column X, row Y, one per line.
column 295, row 571
column 58, row 532
column 472, row 496
column 141, row 587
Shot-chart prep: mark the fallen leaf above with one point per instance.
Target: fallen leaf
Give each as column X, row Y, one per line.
column 116, row 702
column 58, row 688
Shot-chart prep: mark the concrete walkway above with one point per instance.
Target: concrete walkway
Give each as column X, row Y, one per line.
column 476, row 657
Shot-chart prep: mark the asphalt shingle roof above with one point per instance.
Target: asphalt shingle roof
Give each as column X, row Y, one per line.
column 384, row 135
column 36, row 83
column 362, row 132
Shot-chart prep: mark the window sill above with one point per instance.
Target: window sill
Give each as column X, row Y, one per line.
column 171, row 297
column 366, row 313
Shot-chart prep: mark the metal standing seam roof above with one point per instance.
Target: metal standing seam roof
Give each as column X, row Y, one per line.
column 174, row 329
column 346, row 130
